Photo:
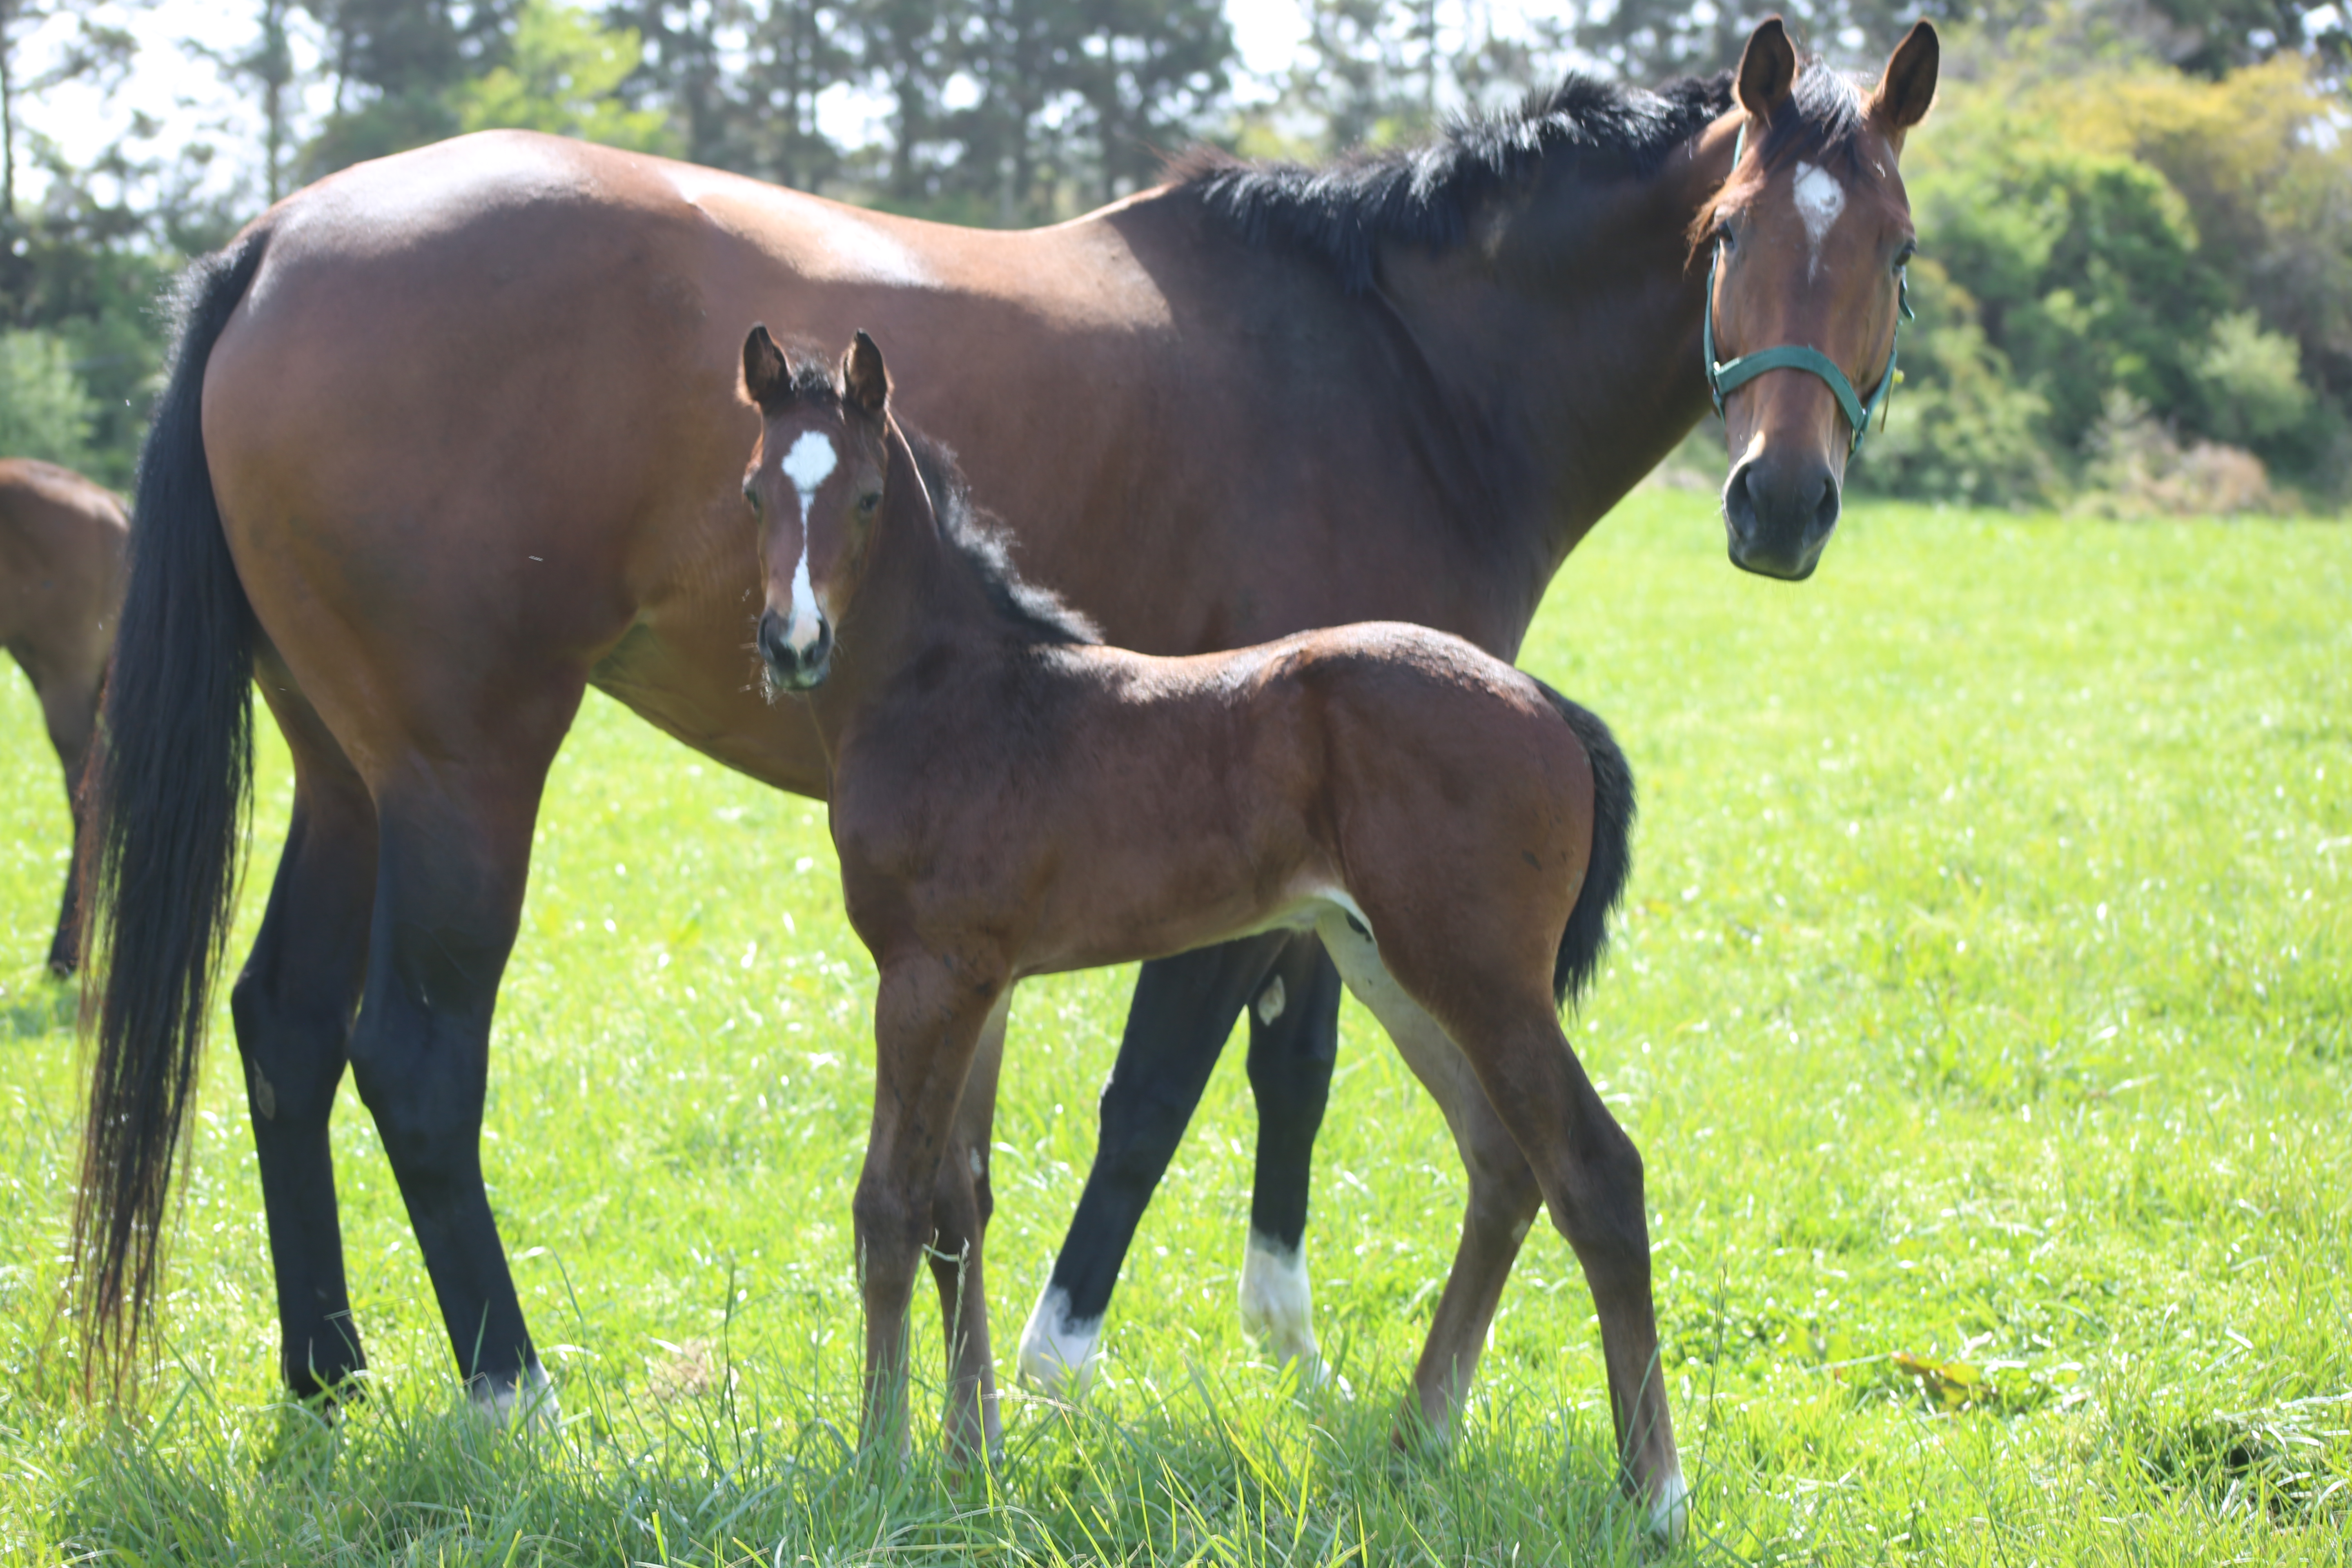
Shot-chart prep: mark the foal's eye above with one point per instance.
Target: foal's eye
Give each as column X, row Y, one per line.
column 751, row 497
column 869, row 501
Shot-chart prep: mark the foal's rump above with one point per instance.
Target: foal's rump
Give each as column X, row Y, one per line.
column 1472, row 811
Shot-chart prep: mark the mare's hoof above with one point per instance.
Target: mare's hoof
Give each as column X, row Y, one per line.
column 531, row 1402
column 1058, row 1352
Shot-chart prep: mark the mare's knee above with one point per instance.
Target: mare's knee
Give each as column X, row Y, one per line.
column 1143, row 1121
column 292, row 1048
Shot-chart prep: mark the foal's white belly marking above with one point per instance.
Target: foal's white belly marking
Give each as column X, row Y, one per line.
column 808, row 465
column 1820, row 200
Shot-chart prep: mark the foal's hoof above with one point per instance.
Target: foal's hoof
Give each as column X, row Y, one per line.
column 1670, row 1510
column 532, row 1400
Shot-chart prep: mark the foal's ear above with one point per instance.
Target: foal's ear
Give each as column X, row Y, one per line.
column 1767, row 70
column 766, row 377
column 867, row 384
column 1908, row 86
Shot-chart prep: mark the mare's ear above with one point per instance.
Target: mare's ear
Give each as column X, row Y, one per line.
column 1767, row 70
column 766, row 376
column 1908, row 85
column 867, row 384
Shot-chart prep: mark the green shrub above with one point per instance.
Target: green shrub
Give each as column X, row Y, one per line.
column 45, row 410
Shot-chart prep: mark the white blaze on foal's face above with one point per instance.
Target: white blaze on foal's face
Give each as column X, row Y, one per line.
column 808, row 465
column 1820, row 200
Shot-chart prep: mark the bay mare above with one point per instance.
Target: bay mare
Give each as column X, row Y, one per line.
column 451, row 437
column 61, row 574
column 1011, row 797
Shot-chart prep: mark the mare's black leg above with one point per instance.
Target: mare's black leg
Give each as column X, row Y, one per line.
column 453, row 856
column 1183, row 1009
column 1293, row 1042
column 293, row 1005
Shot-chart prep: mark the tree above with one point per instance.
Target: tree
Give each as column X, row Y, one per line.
column 94, row 49
column 45, row 410
column 563, row 78
column 396, row 64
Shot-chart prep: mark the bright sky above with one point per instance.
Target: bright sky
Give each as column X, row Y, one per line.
column 178, row 86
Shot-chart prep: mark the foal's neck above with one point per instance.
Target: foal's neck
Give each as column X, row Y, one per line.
column 915, row 598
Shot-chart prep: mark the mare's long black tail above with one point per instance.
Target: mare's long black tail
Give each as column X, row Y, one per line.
column 167, row 789
column 1612, row 852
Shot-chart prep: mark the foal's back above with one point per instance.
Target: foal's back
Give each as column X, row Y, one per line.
column 1131, row 806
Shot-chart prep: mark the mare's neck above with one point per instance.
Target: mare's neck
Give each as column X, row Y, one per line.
column 1566, row 331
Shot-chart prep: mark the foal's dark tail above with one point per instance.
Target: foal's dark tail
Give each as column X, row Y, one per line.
column 166, row 795
column 1612, row 852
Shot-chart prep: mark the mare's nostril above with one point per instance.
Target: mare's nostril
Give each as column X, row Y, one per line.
column 1738, row 502
column 1825, row 511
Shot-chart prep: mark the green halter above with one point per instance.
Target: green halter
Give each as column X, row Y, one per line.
column 1723, row 377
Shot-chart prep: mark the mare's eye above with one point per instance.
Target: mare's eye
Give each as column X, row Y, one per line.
column 869, row 501
column 1902, row 257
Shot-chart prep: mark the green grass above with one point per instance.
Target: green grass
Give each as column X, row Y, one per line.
column 1984, row 1010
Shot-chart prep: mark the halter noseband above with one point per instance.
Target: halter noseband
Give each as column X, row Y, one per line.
column 1724, row 378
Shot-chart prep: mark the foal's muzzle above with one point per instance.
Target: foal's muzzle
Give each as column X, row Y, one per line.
column 795, row 658
column 1778, row 515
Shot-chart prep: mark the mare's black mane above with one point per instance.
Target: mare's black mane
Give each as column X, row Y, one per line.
column 1424, row 195
column 977, row 538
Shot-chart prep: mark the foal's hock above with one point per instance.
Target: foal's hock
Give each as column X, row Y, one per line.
column 1011, row 798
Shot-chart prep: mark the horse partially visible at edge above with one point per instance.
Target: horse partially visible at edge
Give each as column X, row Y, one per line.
column 450, row 437
column 62, row 568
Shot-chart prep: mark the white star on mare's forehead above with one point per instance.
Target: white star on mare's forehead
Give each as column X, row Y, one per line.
column 1820, row 199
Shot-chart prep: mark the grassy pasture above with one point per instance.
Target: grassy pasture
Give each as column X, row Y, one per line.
column 1984, row 1009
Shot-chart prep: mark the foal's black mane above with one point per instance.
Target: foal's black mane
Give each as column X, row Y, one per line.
column 1424, row 195
column 977, row 538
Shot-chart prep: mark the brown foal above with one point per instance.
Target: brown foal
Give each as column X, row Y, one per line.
column 1011, row 798
column 61, row 571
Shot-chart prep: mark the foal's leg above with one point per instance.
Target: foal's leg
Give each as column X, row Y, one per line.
column 1501, row 1207
column 1587, row 1169
column 927, row 1019
column 293, row 1004
column 1183, row 1008
column 453, row 848
column 1294, row 1041
column 960, row 1211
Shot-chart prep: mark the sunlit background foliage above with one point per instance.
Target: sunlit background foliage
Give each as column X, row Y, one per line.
column 2134, row 282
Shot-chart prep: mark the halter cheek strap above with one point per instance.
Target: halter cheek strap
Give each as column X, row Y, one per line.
column 1726, row 377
